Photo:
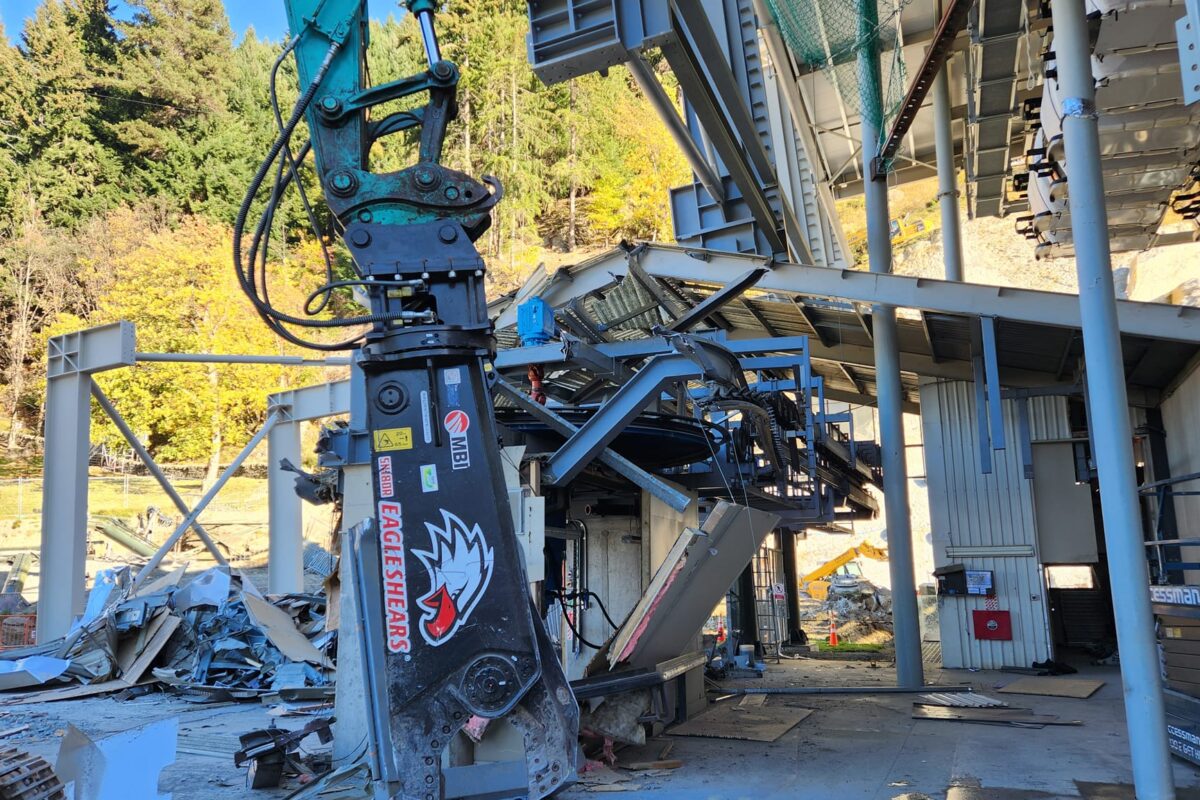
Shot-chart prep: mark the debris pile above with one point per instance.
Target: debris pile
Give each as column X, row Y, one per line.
column 865, row 616
column 211, row 637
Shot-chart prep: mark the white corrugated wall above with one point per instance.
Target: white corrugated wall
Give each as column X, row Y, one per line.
column 1181, row 420
column 984, row 521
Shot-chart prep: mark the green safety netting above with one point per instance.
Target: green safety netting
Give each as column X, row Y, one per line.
column 828, row 35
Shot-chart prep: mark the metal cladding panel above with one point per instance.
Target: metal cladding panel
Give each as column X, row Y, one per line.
column 1181, row 420
column 984, row 520
column 1048, row 420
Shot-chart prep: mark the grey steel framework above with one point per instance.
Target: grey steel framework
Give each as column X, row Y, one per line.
column 72, row 361
column 743, row 130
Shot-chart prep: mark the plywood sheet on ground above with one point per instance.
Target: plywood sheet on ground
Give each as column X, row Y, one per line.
column 1080, row 688
column 754, row 723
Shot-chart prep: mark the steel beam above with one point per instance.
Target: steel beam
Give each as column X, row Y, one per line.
column 64, row 504
column 313, row 402
column 191, row 518
column 594, row 436
column 981, row 417
column 888, row 386
column 692, row 22
column 802, row 123
column 71, row 360
column 718, row 300
column 954, row 19
column 667, row 112
column 1109, row 409
column 217, row 358
column 700, row 93
column 1155, row 320
column 618, row 463
column 910, row 361
column 991, row 371
column 821, row 335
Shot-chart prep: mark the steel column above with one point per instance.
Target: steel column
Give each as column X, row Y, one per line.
column 909, row 671
column 64, row 504
column 1109, row 407
column 947, row 175
column 285, row 526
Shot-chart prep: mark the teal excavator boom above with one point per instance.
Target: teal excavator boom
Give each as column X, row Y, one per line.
column 450, row 635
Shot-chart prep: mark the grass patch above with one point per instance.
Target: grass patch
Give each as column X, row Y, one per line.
column 117, row 496
column 851, row 647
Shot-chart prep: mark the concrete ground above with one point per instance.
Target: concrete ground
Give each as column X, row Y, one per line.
column 853, row 747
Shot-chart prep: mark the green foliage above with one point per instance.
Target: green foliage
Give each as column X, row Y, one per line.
column 127, row 143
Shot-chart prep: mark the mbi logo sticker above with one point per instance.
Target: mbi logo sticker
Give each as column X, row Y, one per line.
column 457, row 423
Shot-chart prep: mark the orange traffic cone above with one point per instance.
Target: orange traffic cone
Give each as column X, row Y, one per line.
column 833, row 635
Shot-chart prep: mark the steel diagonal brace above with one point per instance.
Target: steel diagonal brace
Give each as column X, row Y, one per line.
column 693, row 358
column 718, row 300
column 621, row 465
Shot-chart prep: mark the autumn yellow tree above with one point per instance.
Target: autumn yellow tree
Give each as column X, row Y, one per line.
column 177, row 285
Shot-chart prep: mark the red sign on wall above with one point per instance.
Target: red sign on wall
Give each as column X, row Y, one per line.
column 994, row 625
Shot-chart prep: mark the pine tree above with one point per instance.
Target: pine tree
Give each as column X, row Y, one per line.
column 70, row 171
column 174, row 68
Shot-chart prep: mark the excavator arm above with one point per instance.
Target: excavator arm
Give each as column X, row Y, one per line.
column 815, row 583
column 449, row 630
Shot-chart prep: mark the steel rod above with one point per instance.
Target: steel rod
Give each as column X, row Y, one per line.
column 215, row 358
column 154, row 469
column 657, row 96
column 166, row 546
column 1108, row 405
column 845, row 689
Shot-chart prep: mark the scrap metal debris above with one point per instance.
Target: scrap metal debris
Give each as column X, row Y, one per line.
column 212, row 638
column 962, row 700
column 11, row 601
column 270, row 753
column 1013, row 717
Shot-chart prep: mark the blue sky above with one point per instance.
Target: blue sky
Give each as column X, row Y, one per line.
column 267, row 16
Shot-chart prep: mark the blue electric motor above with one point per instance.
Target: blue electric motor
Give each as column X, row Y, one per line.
column 535, row 322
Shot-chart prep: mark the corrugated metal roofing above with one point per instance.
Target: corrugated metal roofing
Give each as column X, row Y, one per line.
column 932, row 344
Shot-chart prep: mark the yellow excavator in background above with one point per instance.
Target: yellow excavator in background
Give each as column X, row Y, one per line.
column 840, row 574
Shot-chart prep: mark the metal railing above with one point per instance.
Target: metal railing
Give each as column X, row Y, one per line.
column 1165, row 556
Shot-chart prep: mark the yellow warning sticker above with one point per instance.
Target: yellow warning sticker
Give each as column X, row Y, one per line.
column 393, row 439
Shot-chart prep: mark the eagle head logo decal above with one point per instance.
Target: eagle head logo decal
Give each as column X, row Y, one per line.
column 459, row 563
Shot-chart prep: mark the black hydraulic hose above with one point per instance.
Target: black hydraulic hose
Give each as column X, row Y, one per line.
column 293, row 170
column 270, row 315
column 567, row 617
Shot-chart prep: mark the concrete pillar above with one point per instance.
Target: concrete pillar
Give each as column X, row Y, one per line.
column 285, row 560
column 947, row 176
column 64, row 504
column 909, row 671
column 1109, row 409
